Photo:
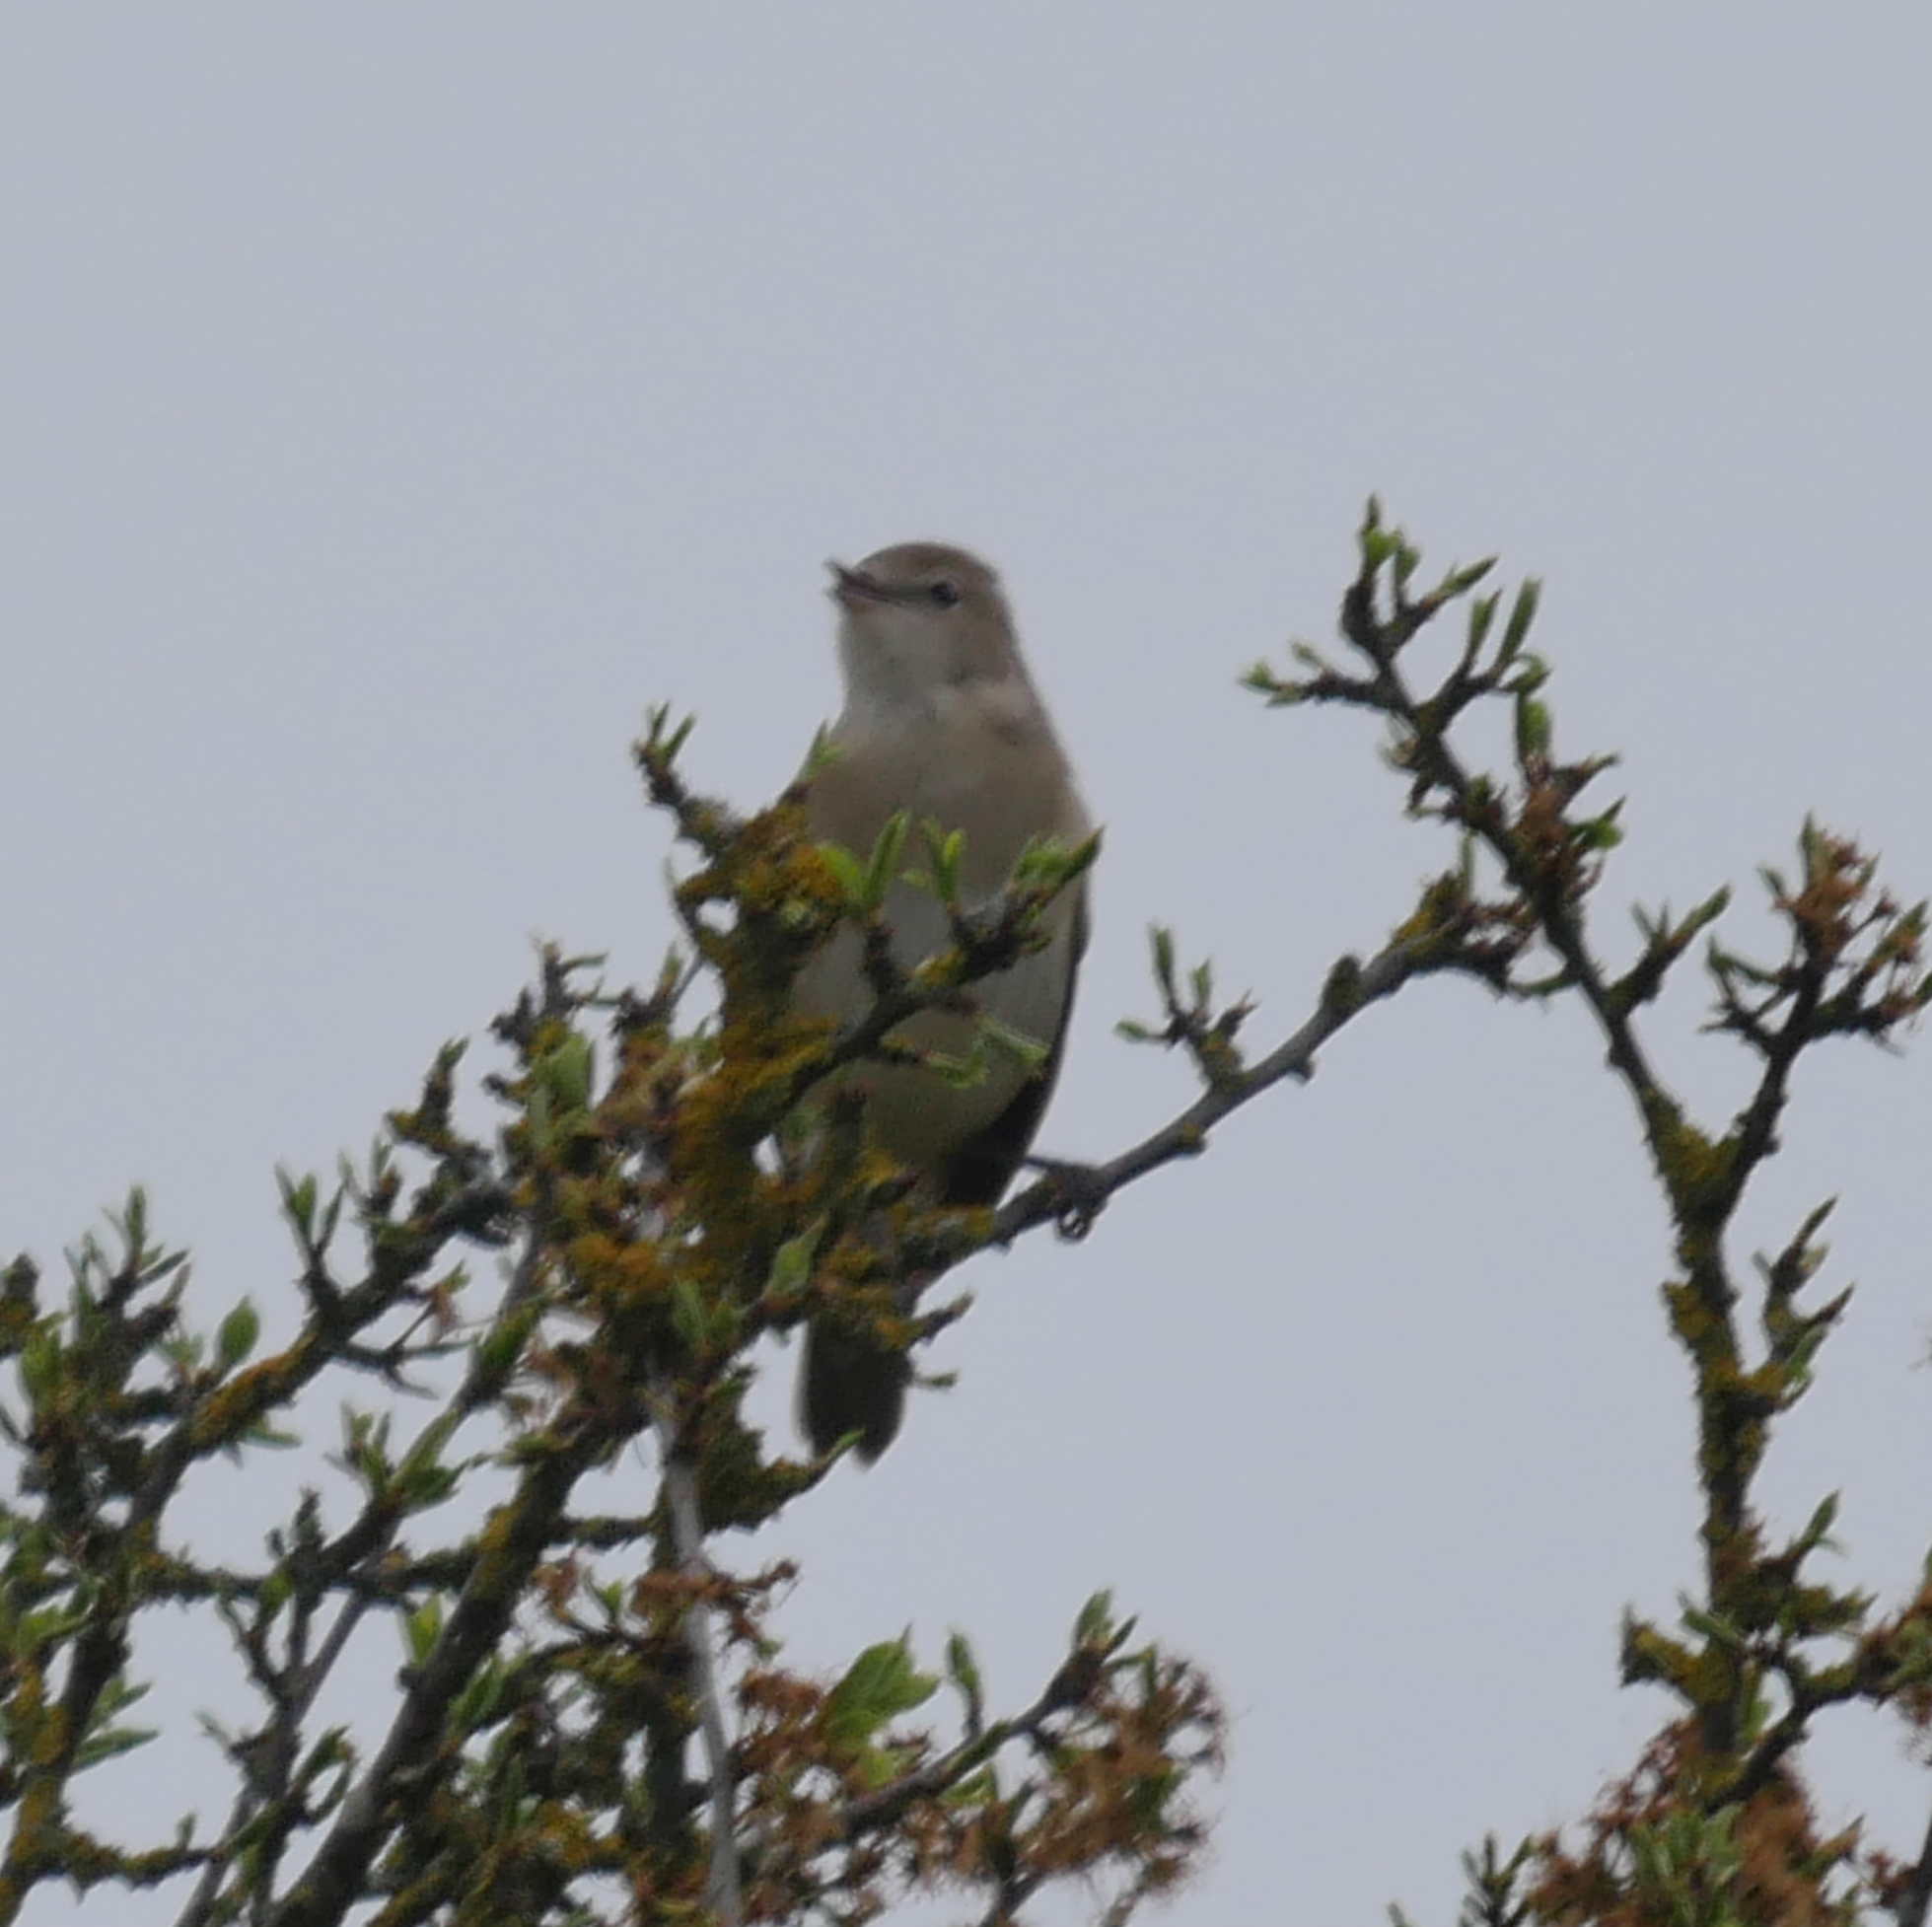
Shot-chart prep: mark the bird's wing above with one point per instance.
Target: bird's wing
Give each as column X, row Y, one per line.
column 981, row 1168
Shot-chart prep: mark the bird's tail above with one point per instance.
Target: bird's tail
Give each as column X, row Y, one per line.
column 848, row 1384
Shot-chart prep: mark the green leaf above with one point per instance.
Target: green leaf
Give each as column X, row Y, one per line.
column 945, row 850
column 1161, row 939
column 1046, row 863
column 35, row 1633
column 847, row 872
column 1522, row 613
column 1532, row 729
column 663, row 739
column 1708, row 911
column 424, row 1483
column 1482, row 612
column 499, row 1349
column 687, row 1314
column 1459, row 581
column 824, row 751
column 1531, row 673
column 881, row 1684
column 791, row 1263
column 566, row 1072
column 236, row 1338
column 1719, row 1628
column 955, row 1072
column 963, row 1668
column 882, row 868
column 113, row 1741
column 299, row 1202
column 1004, row 1040
column 1818, row 1531
column 40, row 1363
column 422, row 1628
column 474, row 1704
column 331, row 1213
column 1094, row 1626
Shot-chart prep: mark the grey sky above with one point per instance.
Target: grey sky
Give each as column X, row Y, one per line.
column 395, row 400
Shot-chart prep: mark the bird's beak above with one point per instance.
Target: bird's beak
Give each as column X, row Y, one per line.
column 853, row 587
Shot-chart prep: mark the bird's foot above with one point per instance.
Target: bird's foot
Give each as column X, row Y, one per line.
column 1081, row 1194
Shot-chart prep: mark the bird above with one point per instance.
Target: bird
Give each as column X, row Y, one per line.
column 943, row 721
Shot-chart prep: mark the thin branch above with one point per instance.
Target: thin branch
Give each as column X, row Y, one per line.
column 1073, row 1194
column 883, row 1805
column 724, row 1891
column 1918, row 1896
column 515, row 1539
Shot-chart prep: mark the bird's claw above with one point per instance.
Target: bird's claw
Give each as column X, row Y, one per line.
column 1081, row 1194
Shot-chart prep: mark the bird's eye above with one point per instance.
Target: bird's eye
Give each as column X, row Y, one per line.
column 948, row 595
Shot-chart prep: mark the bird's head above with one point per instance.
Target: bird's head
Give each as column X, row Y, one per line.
column 918, row 620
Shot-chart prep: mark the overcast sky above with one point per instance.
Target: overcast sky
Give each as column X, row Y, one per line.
column 396, row 401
